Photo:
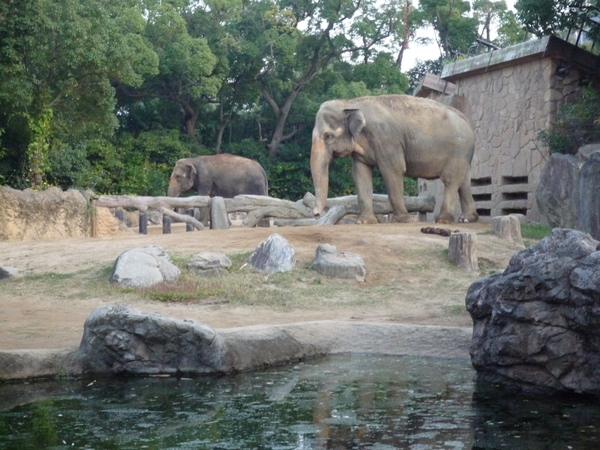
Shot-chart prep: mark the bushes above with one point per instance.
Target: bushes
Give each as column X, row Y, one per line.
column 577, row 124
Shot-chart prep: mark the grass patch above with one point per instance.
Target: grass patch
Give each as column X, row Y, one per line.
column 537, row 232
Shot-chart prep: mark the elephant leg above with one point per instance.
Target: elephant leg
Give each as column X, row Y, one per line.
column 446, row 214
column 393, row 176
column 467, row 204
column 363, row 180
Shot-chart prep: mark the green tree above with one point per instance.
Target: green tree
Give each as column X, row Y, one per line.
column 303, row 37
column 57, row 61
column 456, row 30
column 543, row 17
column 576, row 124
column 509, row 30
column 488, row 13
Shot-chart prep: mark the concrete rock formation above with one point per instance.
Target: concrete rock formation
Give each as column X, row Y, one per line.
column 143, row 267
column 120, row 339
column 509, row 228
column 333, row 263
column 51, row 214
column 273, row 255
column 462, row 251
column 537, row 325
column 589, row 196
column 557, row 195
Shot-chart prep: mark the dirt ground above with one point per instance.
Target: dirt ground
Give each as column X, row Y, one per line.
column 409, row 279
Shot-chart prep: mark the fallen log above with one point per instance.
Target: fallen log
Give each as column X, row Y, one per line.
column 259, row 207
column 144, row 202
column 382, row 205
column 160, row 204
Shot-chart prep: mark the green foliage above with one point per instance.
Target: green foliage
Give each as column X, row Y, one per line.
column 107, row 95
column 456, row 30
column 577, row 124
column 537, row 232
column 37, row 150
column 416, row 74
column 543, row 17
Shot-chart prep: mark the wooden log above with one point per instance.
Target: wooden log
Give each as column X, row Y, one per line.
column 188, row 226
column 182, row 217
column 143, row 202
column 331, row 217
column 509, row 228
column 462, row 251
column 143, row 222
column 166, row 225
column 382, row 205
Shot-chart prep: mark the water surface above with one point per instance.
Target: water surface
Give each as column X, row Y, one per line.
column 340, row 402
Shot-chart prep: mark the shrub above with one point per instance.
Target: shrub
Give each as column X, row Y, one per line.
column 577, row 124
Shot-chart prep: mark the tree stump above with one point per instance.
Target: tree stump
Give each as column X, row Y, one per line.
column 219, row 220
column 509, row 228
column 462, row 251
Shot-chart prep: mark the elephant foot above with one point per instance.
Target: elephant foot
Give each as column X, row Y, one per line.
column 364, row 220
column 444, row 218
column 466, row 218
column 400, row 218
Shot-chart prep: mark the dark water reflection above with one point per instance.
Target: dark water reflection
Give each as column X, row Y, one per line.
column 341, row 402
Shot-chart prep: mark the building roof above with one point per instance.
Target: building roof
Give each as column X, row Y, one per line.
column 547, row 47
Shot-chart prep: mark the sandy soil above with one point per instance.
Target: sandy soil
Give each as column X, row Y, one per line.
column 421, row 287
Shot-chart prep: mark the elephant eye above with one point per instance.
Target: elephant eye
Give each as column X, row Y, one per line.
column 328, row 137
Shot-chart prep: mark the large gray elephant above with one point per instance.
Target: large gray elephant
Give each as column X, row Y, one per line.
column 222, row 175
column 402, row 136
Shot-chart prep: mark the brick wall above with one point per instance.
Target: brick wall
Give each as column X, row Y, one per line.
column 508, row 105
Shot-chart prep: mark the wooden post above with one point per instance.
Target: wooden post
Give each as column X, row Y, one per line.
column 143, row 222
column 462, row 251
column 166, row 225
column 189, row 226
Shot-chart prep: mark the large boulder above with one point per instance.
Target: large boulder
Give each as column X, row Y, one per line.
column 537, row 324
column 120, row 339
column 557, row 195
column 329, row 261
column 589, row 198
column 143, row 267
column 273, row 255
column 210, row 264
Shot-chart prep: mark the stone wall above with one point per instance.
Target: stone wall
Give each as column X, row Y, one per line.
column 508, row 104
column 41, row 215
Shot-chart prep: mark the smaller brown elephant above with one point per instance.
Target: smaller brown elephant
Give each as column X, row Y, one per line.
column 222, row 175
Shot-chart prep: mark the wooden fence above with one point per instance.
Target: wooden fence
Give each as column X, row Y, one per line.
column 257, row 207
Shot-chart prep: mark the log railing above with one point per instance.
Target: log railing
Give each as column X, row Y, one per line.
column 258, row 207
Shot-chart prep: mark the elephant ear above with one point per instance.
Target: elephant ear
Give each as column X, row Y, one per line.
column 191, row 170
column 355, row 121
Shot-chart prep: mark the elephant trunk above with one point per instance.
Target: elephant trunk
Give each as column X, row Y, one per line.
column 319, row 167
column 174, row 188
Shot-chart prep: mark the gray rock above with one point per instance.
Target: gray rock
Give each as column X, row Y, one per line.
column 584, row 152
column 333, row 263
column 589, row 196
column 120, row 339
column 143, row 267
column 537, row 324
column 273, row 255
column 219, row 220
column 210, row 264
column 558, row 192
column 7, row 272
